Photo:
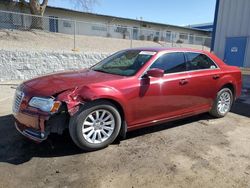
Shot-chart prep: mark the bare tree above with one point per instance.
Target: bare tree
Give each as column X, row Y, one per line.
column 85, row 4
column 37, row 7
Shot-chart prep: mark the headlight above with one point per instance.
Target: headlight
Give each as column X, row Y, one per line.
column 45, row 104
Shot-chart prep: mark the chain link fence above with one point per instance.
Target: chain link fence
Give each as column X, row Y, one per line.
column 74, row 31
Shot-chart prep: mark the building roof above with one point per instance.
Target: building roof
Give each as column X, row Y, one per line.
column 203, row 26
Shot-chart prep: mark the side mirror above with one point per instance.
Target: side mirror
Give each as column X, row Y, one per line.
column 157, row 73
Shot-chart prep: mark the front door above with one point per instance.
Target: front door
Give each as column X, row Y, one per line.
column 166, row 97
column 191, row 39
column 135, row 33
column 168, row 36
column 235, row 51
column 53, row 24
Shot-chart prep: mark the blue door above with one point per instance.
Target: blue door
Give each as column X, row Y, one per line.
column 235, row 51
column 53, row 24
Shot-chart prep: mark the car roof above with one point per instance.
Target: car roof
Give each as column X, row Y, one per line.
column 161, row 49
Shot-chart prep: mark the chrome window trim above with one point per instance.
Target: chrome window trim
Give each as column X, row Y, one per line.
column 217, row 67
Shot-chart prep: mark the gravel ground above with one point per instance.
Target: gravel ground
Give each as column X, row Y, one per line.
column 194, row 152
column 44, row 41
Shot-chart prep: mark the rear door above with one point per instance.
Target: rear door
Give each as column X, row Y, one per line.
column 204, row 75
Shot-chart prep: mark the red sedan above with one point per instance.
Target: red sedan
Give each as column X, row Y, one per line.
column 131, row 89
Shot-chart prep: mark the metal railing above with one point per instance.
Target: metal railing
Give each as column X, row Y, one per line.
column 76, row 28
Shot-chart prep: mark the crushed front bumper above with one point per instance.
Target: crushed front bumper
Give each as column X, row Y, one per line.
column 34, row 123
column 32, row 127
column 31, row 133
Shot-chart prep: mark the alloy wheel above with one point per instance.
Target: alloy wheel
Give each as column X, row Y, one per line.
column 98, row 126
column 224, row 102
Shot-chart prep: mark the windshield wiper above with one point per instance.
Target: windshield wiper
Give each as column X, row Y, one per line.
column 99, row 70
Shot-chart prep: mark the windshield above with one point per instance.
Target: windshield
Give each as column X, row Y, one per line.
column 125, row 63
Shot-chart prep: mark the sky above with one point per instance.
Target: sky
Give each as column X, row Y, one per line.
column 175, row 12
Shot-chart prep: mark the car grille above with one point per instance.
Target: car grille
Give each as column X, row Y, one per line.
column 17, row 101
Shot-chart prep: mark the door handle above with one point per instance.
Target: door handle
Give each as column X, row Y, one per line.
column 183, row 81
column 216, row 76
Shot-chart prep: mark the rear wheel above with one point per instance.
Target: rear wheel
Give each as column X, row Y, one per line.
column 96, row 126
column 223, row 103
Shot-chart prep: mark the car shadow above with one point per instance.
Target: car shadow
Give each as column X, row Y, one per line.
column 16, row 149
column 168, row 125
column 241, row 108
column 242, row 105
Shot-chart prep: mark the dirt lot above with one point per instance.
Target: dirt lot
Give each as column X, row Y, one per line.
column 35, row 40
column 195, row 152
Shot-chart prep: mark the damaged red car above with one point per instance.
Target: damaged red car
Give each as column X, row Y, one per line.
column 130, row 89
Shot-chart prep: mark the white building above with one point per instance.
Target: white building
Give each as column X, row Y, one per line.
column 82, row 23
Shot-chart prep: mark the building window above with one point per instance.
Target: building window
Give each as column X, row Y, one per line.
column 66, row 24
column 6, row 17
column 199, row 39
column 99, row 28
column 183, row 36
column 121, row 29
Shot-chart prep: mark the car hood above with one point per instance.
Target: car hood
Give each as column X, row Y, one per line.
column 55, row 83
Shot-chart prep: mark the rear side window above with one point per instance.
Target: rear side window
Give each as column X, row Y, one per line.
column 171, row 63
column 197, row 61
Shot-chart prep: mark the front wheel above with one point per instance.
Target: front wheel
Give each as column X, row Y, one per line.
column 223, row 103
column 96, row 126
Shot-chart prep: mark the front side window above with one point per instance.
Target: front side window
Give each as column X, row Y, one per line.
column 197, row 61
column 125, row 63
column 171, row 63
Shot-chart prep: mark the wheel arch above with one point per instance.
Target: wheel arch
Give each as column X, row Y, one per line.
column 227, row 81
column 231, row 87
column 116, row 103
column 121, row 110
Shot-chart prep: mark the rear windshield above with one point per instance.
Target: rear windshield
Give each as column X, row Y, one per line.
column 125, row 63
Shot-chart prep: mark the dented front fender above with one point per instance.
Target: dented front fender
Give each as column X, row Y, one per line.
column 80, row 95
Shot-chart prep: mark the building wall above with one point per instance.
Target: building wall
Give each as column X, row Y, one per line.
column 232, row 21
column 101, row 25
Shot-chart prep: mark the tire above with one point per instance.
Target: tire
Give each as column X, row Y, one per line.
column 90, row 131
column 217, row 109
